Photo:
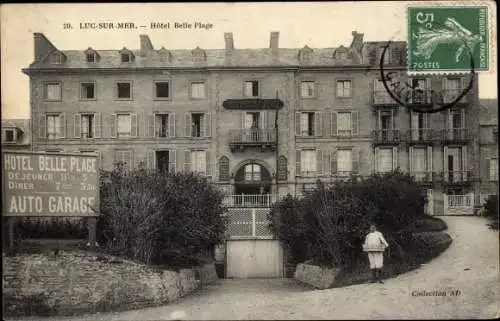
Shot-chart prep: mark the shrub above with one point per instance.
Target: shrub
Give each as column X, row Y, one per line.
column 491, row 211
column 329, row 224
column 155, row 217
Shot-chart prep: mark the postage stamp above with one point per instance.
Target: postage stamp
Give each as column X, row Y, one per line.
column 448, row 39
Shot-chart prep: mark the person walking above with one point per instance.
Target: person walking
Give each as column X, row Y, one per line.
column 375, row 245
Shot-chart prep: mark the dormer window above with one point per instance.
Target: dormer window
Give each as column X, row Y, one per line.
column 10, row 135
column 305, row 54
column 165, row 55
column 56, row 58
column 126, row 55
column 91, row 57
column 199, row 54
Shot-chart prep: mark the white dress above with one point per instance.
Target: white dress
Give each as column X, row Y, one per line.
column 375, row 244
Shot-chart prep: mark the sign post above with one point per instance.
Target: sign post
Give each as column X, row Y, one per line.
column 44, row 184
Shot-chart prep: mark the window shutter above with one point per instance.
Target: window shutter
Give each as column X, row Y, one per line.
column 187, row 125
column 426, row 121
column 112, row 125
column 171, row 124
column 326, row 164
column 297, row 124
column 97, row 125
column 150, row 159
column 333, row 123
column 242, row 120
column 101, row 159
column 263, row 120
column 445, row 162
column 187, row 160
column 62, row 123
column 318, row 128
column 319, row 162
column 207, row 122
column 297, row 163
column 429, row 159
column 172, row 160
column 151, row 125
column 450, row 119
column 333, row 160
column 394, row 158
column 42, row 126
column 202, row 126
column 411, row 158
column 376, row 159
column 355, row 160
column 355, row 122
column 462, row 111
column 133, row 128
column 393, row 119
column 77, row 124
column 208, row 163
column 465, row 167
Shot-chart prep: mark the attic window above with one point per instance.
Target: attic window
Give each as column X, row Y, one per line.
column 125, row 57
column 10, row 135
column 56, row 58
column 341, row 55
column 91, row 57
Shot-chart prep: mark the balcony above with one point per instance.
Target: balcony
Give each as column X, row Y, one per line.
column 450, row 95
column 240, row 139
column 460, row 177
column 456, row 135
column 420, row 98
column 421, row 136
column 250, row 200
column 382, row 98
column 386, row 136
column 425, row 177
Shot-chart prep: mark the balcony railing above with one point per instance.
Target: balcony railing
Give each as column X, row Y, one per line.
column 382, row 98
column 250, row 200
column 423, row 176
column 457, row 177
column 450, row 95
column 252, row 136
column 420, row 97
column 456, row 135
column 386, row 136
column 421, row 135
column 460, row 200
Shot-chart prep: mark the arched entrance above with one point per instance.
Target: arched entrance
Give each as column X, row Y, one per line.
column 252, row 179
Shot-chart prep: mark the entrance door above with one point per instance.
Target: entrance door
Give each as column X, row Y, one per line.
column 254, row 259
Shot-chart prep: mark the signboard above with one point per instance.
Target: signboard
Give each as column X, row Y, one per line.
column 44, row 184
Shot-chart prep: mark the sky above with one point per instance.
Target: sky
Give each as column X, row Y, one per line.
column 316, row 24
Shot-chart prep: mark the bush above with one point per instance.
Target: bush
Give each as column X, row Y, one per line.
column 427, row 224
column 329, row 224
column 491, row 211
column 155, row 217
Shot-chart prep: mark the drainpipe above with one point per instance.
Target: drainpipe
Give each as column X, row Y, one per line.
column 277, row 149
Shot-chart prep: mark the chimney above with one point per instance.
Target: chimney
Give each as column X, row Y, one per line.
column 228, row 39
column 42, row 46
column 274, row 43
column 357, row 45
column 146, row 45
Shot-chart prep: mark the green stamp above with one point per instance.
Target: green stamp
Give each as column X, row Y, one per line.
column 446, row 38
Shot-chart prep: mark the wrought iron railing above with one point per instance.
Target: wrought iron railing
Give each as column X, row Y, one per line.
column 456, row 134
column 423, row 176
column 386, row 135
column 460, row 200
column 457, row 176
column 250, row 200
column 252, row 136
column 421, row 135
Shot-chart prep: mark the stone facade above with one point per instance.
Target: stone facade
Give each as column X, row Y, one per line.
column 489, row 146
column 74, row 282
column 234, row 74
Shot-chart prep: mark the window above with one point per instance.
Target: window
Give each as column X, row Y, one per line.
column 124, row 157
column 56, row 59
column 343, row 88
column 387, row 55
column 198, row 90
column 252, row 172
column 161, row 125
column 124, row 90
column 53, row 91
column 344, row 124
column 53, row 126
column 419, row 161
column 87, row 90
column 124, row 122
column 224, row 168
column 456, row 120
column 452, row 84
column 162, row 89
column 197, row 121
column 198, row 161
column 385, row 160
column 493, row 174
column 162, row 160
column 87, row 126
column 306, row 124
column 344, row 161
column 341, row 54
column 91, row 57
column 125, row 57
column 308, row 162
column 307, row 89
column 252, row 120
column 9, row 135
column 251, row 88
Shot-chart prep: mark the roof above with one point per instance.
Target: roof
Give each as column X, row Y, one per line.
column 488, row 113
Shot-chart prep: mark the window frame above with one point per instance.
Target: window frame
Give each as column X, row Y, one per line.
column 123, row 54
column 13, row 131
column 131, row 91
column 303, row 162
column 91, row 54
column 92, row 127
column 45, row 92
column 58, row 126
column 337, row 92
column 82, row 83
column 205, row 94
column 258, row 88
column 58, row 61
column 155, row 89
column 118, row 125
column 314, row 94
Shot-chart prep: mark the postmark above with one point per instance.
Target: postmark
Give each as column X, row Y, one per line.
column 439, row 38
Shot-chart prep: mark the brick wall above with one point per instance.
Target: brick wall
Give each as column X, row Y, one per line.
column 76, row 282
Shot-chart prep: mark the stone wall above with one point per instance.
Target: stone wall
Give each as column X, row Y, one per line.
column 76, row 282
